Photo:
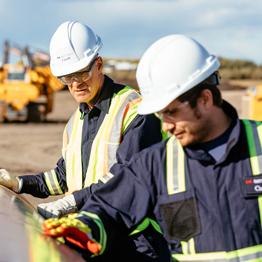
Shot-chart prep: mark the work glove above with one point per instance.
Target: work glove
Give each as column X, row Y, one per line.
column 73, row 230
column 10, row 181
column 59, row 208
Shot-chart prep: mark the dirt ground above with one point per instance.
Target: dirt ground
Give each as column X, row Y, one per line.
column 30, row 148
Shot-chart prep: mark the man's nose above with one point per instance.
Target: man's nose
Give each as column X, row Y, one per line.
column 167, row 126
column 76, row 82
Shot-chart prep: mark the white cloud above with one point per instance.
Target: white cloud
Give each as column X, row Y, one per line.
column 129, row 27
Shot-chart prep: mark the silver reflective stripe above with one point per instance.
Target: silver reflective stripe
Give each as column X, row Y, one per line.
column 175, row 163
column 52, row 182
column 188, row 247
column 259, row 158
column 247, row 257
column 199, row 260
column 175, row 160
column 117, row 128
column 257, row 255
column 106, row 177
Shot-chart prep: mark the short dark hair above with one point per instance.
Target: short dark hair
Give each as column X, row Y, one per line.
column 194, row 93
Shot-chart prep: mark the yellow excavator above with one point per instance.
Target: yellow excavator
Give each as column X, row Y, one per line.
column 27, row 87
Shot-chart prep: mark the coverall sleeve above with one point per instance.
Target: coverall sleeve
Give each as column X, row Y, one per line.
column 52, row 182
column 122, row 203
column 143, row 132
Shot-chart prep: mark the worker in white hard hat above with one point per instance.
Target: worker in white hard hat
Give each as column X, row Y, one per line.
column 105, row 129
column 203, row 184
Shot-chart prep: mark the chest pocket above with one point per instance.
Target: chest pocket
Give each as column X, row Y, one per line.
column 180, row 215
column 179, row 208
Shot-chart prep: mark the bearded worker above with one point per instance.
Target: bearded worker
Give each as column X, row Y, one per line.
column 202, row 185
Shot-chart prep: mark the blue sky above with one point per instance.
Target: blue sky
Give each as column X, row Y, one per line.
column 231, row 29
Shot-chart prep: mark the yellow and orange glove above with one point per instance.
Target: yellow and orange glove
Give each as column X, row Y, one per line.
column 73, row 230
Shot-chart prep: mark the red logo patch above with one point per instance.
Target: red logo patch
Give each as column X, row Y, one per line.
column 249, row 181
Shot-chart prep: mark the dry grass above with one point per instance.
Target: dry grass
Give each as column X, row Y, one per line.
column 245, row 82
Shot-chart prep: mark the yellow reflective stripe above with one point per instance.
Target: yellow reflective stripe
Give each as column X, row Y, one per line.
column 251, row 147
column 169, row 167
column 99, row 223
column 181, row 169
column 65, row 140
column 72, row 171
column 240, row 253
column 73, row 158
column 259, row 199
column 188, row 247
column 56, row 182
column 96, row 149
column 199, row 257
column 52, row 183
column 255, row 165
column 74, row 179
column 259, row 131
column 191, row 242
column 47, row 180
column 77, row 160
column 76, row 124
column 184, row 247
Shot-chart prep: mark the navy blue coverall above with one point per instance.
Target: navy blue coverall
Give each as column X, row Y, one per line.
column 228, row 215
column 143, row 132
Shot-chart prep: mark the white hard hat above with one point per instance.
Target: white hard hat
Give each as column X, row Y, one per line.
column 170, row 67
column 72, row 47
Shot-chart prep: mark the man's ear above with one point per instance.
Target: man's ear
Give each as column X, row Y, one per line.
column 206, row 99
column 100, row 64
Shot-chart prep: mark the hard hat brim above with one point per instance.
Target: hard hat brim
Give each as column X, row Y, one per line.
column 152, row 106
column 66, row 70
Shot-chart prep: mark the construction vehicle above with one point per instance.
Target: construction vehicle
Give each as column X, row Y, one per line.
column 251, row 106
column 27, row 87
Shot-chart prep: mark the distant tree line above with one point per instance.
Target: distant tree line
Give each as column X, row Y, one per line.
column 239, row 69
column 229, row 69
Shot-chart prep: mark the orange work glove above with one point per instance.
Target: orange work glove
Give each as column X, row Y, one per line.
column 73, row 230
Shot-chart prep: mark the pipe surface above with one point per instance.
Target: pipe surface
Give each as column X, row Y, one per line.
column 22, row 236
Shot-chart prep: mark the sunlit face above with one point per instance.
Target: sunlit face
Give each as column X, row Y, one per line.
column 87, row 91
column 190, row 126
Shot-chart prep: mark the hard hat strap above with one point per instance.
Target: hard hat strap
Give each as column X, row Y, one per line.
column 214, row 79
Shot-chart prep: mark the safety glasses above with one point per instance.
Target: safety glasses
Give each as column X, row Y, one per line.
column 80, row 77
column 172, row 112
